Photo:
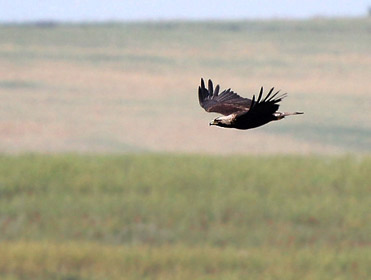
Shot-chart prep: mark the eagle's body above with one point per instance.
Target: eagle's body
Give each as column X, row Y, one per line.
column 239, row 112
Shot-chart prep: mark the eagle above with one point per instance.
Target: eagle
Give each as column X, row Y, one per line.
column 239, row 112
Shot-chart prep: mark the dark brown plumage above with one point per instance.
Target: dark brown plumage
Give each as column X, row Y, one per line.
column 239, row 112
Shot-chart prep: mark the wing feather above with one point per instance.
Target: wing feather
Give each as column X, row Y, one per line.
column 216, row 92
column 269, row 93
column 265, row 106
column 211, row 88
column 226, row 103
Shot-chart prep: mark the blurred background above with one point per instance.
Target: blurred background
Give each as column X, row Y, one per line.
column 123, row 77
column 109, row 169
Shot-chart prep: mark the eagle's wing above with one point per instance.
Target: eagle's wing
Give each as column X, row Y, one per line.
column 226, row 103
column 267, row 106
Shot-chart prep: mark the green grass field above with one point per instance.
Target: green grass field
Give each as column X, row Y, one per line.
column 184, row 217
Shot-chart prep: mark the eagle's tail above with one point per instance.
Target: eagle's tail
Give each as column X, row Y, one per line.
column 280, row 115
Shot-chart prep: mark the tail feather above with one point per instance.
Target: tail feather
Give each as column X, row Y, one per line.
column 280, row 115
column 293, row 113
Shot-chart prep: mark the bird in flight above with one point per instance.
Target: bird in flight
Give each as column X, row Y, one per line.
column 239, row 112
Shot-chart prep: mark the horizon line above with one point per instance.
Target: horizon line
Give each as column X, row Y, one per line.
column 166, row 20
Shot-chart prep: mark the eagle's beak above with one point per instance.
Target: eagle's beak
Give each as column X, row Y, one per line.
column 212, row 122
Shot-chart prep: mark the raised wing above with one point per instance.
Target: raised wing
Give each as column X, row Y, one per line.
column 267, row 106
column 225, row 103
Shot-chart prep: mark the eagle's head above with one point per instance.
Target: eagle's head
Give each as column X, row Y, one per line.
column 222, row 121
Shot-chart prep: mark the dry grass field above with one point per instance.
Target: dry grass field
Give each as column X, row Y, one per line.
column 133, row 87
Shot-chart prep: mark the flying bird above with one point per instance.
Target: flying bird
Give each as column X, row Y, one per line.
column 239, row 112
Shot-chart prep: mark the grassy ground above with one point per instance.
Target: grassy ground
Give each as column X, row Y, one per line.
column 133, row 87
column 184, row 217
